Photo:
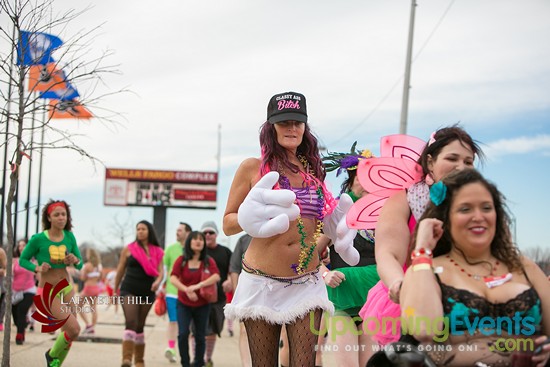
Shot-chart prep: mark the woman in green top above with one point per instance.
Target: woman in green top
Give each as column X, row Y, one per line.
column 54, row 249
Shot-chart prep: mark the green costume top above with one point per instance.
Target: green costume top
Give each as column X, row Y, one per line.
column 45, row 250
column 170, row 255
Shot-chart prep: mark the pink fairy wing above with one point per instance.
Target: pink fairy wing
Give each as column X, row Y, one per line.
column 401, row 146
column 387, row 173
column 364, row 212
column 396, row 169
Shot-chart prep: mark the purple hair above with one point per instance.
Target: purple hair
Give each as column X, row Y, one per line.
column 273, row 154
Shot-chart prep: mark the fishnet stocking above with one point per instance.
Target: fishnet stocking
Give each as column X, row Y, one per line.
column 263, row 340
column 301, row 339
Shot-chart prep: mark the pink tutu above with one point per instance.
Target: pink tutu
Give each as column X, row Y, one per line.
column 379, row 306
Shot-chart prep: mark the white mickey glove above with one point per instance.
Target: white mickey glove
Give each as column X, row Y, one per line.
column 266, row 212
column 336, row 228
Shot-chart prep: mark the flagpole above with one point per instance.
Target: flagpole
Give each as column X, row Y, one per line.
column 40, row 168
column 407, row 81
column 218, row 155
column 16, row 207
column 28, row 204
column 4, row 168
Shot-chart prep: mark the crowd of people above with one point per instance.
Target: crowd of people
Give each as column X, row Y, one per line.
column 435, row 275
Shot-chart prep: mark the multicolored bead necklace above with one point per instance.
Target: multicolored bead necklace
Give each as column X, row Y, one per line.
column 306, row 251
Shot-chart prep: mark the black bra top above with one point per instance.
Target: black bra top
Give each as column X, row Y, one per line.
column 460, row 304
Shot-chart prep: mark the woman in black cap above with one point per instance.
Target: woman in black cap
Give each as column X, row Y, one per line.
column 281, row 201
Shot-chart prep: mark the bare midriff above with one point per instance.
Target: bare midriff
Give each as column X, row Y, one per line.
column 53, row 276
column 275, row 255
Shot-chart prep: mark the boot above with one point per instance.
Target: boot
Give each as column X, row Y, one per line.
column 139, row 351
column 127, row 353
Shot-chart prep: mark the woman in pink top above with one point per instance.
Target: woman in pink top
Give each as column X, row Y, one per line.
column 449, row 149
column 23, row 291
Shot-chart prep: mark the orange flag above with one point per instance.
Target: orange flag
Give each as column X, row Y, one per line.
column 68, row 110
column 43, row 78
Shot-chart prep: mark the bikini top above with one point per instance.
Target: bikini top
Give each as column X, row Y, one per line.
column 464, row 308
column 95, row 273
column 308, row 201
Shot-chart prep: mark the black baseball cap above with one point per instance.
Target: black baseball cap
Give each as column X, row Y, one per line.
column 287, row 106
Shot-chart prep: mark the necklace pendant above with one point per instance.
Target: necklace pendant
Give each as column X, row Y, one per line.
column 476, row 277
column 495, row 281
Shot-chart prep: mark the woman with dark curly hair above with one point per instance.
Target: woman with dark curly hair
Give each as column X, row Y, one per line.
column 139, row 273
column 55, row 249
column 468, row 283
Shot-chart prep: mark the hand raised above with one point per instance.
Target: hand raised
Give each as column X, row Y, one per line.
column 429, row 232
column 266, row 212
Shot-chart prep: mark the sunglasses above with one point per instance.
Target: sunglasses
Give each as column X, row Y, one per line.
column 208, row 232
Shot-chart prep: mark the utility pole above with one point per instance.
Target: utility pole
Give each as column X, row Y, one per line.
column 407, row 81
column 219, row 152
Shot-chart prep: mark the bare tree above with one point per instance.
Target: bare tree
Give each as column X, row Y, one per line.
column 541, row 256
column 21, row 108
column 114, row 238
column 118, row 231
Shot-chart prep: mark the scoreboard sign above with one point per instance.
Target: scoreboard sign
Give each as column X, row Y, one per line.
column 179, row 189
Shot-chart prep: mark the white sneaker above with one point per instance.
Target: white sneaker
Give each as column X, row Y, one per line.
column 89, row 330
column 170, row 354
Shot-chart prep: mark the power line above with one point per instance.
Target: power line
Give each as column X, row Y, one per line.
column 398, row 81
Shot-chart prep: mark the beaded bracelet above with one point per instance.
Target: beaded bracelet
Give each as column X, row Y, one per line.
column 419, row 267
column 421, row 251
column 422, row 260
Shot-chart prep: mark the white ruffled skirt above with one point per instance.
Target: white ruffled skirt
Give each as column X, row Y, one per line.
column 260, row 297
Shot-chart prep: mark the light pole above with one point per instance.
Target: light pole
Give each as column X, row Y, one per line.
column 407, row 81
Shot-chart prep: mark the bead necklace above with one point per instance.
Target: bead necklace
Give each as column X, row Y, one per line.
column 306, row 251
column 367, row 234
column 474, row 276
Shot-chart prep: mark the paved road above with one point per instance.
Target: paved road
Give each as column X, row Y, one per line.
column 105, row 350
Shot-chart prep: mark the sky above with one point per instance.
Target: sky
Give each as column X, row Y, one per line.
column 194, row 69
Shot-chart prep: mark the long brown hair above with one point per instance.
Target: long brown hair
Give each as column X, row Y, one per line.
column 274, row 154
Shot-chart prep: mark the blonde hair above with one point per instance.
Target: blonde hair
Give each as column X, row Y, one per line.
column 93, row 257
